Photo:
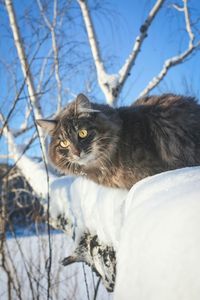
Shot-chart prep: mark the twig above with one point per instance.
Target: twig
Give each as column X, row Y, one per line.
column 42, row 72
column 97, row 289
column 49, row 263
column 5, row 122
column 86, row 284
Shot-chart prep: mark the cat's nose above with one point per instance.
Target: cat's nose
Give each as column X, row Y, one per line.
column 76, row 152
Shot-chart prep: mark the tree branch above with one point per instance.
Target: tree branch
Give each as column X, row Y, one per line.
column 42, row 72
column 125, row 70
column 188, row 23
column 51, row 27
column 106, row 81
column 112, row 84
column 178, row 59
column 5, row 121
column 22, row 56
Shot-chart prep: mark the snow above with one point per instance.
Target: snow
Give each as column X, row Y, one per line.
column 97, row 209
column 158, row 257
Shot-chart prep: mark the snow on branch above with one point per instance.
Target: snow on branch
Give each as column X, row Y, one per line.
column 178, row 59
column 32, row 171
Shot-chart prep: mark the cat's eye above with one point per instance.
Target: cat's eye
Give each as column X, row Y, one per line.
column 64, row 144
column 82, row 133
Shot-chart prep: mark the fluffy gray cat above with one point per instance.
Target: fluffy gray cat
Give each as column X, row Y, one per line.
column 117, row 147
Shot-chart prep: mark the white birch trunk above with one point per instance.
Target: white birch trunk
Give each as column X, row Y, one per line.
column 25, row 69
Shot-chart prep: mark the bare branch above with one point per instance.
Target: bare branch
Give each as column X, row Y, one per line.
column 188, row 23
column 124, row 71
column 51, row 27
column 6, row 156
column 42, row 72
column 5, row 122
column 46, row 20
column 24, row 125
column 177, row 7
column 178, row 59
column 167, row 65
column 21, row 131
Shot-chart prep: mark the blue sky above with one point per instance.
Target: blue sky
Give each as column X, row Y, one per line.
column 117, row 24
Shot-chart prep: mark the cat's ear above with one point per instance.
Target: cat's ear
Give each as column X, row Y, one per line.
column 48, row 125
column 82, row 101
column 83, row 105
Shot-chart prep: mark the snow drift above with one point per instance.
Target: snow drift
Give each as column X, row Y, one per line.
column 158, row 257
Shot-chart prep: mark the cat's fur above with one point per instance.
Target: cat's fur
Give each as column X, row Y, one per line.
column 126, row 144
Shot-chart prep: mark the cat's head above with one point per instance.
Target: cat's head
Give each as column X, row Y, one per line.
column 83, row 134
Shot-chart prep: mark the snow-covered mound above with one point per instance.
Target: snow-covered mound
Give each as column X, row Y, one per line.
column 159, row 253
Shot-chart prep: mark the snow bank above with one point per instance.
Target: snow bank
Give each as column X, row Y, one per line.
column 158, row 257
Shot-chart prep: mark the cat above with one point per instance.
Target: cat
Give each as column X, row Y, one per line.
column 117, row 147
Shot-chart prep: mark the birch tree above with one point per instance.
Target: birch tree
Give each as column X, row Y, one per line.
column 50, row 77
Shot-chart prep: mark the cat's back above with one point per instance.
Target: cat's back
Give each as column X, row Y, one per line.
column 175, row 127
column 166, row 101
column 179, row 110
column 167, row 125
